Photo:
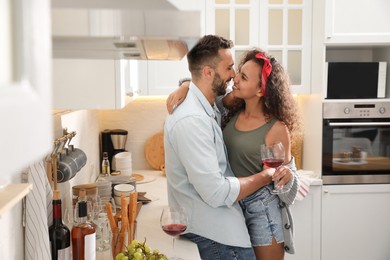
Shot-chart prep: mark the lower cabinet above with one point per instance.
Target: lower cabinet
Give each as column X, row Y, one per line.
column 355, row 222
column 307, row 224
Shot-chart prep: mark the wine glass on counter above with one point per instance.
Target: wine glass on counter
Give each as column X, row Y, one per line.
column 273, row 156
column 174, row 222
column 103, row 230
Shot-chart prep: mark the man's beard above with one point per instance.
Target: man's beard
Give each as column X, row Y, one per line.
column 219, row 86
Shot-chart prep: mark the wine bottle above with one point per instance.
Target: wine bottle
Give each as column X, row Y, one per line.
column 83, row 232
column 59, row 234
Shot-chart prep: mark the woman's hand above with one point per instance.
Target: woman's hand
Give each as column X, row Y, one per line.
column 282, row 175
column 177, row 97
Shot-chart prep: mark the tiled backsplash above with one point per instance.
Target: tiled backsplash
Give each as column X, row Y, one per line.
column 142, row 118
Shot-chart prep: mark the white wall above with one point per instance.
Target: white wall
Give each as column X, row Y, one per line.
column 311, row 109
column 85, row 124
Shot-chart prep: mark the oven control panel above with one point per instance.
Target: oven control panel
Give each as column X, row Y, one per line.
column 356, row 108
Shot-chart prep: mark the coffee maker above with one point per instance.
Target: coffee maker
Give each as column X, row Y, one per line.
column 113, row 142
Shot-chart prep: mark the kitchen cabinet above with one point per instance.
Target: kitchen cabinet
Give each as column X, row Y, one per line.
column 355, row 222
column 349, row 23
column 92, row 84
column 307, row 226
column 161, row 77
column 125, row 32
column 282, row 28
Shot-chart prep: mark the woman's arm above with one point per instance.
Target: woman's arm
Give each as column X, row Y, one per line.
column 292, row 184
column 177, row 97
column 287, row 174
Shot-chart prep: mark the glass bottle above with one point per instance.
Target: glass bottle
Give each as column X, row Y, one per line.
column 59, row 233
column 105, row 165
column 83, row 232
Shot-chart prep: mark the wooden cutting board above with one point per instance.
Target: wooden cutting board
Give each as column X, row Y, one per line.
column 154, row 150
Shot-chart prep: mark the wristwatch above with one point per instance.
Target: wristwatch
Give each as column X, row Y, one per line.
column 181, row 81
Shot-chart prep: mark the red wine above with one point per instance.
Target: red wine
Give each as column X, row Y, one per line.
column 273, row 163
column 59, row 234
column 174, row 229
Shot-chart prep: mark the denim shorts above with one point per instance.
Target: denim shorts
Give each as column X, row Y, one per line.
column 263, row 217
column 211, row 250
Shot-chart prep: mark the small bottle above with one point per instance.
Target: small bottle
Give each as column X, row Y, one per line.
column 83, row 232
column 59, row 234
column 105, row 165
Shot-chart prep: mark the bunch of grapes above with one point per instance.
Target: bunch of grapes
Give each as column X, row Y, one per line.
column 140, row 251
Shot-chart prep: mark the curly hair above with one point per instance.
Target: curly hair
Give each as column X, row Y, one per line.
column 278, row 102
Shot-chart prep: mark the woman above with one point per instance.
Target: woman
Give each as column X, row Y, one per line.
column 261, row 109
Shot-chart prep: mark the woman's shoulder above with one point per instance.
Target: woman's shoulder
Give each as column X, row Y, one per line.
column 278, row 131
column 278, row 126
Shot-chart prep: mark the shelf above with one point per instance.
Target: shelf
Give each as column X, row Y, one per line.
column 12, row 194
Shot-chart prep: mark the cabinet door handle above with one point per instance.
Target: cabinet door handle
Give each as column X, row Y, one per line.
column 326, row 191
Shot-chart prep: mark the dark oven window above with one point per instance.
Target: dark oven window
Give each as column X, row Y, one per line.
column 354, row 150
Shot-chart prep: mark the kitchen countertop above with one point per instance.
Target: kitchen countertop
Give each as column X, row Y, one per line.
column 148, row 220
column 311, row 177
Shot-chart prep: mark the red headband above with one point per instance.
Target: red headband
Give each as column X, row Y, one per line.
column 267, row 68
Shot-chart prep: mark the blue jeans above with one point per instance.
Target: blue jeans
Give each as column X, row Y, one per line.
column 263, row 217
column 211, row 250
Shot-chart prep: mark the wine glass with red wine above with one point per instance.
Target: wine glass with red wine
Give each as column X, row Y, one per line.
column 174, row 222
column 273, row 156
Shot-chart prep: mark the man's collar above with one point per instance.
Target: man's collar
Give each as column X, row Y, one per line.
column 202, row 99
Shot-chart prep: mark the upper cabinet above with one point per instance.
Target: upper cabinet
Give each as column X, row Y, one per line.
column 107, row 52
column 281, row 27
column 357, row 32
column 365, row 22
column 158, row 77
column 92, row 84
column 83, row 77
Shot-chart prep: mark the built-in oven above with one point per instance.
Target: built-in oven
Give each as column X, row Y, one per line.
column 356, row 141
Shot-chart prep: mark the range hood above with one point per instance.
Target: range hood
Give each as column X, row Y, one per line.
column 124, row 29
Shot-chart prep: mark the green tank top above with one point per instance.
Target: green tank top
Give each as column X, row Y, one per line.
column 244, row 147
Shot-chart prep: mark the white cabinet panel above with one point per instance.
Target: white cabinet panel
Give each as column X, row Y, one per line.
column 91, row 84
column 307, row 224
column 365, row 22
column 162, row 76
column 355, row 222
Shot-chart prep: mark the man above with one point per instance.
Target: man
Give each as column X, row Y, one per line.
column 198, row 174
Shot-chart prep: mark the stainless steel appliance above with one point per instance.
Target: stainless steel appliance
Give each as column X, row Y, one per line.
column 356, row 141
column 113, row 142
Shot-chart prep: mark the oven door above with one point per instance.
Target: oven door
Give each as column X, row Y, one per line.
column 356, row 151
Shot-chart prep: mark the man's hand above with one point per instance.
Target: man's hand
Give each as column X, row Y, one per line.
column 268, row 173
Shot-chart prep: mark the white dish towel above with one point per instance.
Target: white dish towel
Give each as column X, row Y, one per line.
column 38, row 213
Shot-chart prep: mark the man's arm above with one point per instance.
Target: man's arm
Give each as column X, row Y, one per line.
column 250, row 184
